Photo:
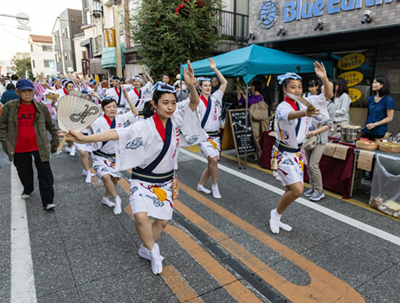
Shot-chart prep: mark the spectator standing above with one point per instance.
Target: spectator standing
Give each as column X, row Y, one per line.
column 342, row 102
column 2, row 86
column 267, row 94
column 312, row 89
column 214, row 85
column 380, row 109
column 320, row 130
column 9, row 94
column 27, row 138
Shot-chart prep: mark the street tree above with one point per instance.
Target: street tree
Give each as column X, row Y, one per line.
column 21, row 65
column 168, row 32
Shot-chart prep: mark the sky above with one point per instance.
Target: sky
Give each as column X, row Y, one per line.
column 42, row 13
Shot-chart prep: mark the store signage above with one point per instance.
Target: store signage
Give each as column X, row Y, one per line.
column 354, row 94
column 300, row 9
column 110, row 37
column 352, row 78
column 351, row 61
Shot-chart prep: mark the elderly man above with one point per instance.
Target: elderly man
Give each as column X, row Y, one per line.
column 23, row 131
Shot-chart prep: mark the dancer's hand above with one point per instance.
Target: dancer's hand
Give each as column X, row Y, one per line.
column 320, row 70
column 212, row 64
column 189, row 75
column 310, row 134
column 309, row 112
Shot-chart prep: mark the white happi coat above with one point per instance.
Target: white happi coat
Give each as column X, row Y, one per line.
column 119, row 96
column 140, row 144
column 212, row 123
column 134, row 96
column 106, row 165
column 290, row 165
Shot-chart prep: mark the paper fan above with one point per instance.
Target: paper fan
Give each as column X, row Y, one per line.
column 75, row 114
column 301, row 100
column 76, row 94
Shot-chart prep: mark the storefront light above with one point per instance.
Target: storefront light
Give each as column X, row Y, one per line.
column 97, row 9
column 367, row 17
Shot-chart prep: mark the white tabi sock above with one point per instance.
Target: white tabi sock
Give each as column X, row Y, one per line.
column 107, row 202
column 285, row 227
column 84, row 172
column 215, row 191
column 156, row 261
column 88, row 177
column 274, row 221
column 117, row 208
column 203, row 189
column 145, row 253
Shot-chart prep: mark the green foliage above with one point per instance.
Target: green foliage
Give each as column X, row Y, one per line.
column 21, row 65
column 168, row 32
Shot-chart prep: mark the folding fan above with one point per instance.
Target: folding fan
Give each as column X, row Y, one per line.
column 75, row 93
column 75, row 114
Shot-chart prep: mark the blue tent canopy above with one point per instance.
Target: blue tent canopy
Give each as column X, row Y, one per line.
column 255, row 60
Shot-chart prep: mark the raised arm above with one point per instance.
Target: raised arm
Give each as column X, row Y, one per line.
column 190, row 80
column 321, row 73
column 131, row 105
column 221, row 78
column 147, row 75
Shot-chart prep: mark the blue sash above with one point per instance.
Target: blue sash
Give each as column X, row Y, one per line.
column 167, row 143
column 120, row 94
column 207, row 114
column 139, row 97
column 299, row 120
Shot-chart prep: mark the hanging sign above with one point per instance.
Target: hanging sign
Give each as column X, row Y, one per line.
column 351, row 61
column 354, row 94
column 110, row 37
column 352, row 78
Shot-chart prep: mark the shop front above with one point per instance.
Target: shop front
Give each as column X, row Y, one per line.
column 361, row 38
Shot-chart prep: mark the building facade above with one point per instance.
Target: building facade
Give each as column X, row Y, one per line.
column 66, row 26
column 361, row 37
column 42, row 55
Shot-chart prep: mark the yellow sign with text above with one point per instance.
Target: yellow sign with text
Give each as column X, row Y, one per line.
column 351, row 61
column 354, row 94
column 352, row 78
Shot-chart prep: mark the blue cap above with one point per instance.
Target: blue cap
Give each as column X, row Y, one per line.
column 24, row 84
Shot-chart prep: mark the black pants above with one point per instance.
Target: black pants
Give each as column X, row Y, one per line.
column 23, row 163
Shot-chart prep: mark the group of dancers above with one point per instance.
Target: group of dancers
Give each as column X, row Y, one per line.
column 121, row 139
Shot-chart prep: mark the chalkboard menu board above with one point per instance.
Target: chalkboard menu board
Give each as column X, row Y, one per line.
column 241, row 137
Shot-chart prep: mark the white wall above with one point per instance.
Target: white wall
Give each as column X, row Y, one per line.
column 38, row 56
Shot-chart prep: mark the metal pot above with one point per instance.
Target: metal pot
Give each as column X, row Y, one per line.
column 350, row 133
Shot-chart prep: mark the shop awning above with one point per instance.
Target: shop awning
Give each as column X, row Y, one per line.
column 95, row 67
column 108, row 57
column 254, row 60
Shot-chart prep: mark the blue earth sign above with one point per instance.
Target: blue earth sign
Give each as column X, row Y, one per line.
column 268, row 14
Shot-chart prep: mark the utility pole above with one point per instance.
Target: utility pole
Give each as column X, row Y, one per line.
column 117, row 40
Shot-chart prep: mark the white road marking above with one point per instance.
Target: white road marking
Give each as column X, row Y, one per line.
column 326, row 211
column 22, row 278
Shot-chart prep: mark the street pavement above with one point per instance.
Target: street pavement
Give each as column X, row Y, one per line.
column 215, row 250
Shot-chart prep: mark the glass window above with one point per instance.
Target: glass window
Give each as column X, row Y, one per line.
column 46, row 63
column 33, row 63
column 31, row 47
column 47, row 48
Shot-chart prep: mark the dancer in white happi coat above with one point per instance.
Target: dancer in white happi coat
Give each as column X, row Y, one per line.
column 150, row 148
column 116, row 93
column 68, row 86
column 292, row 121
column 139, row 95
column 209, row 111
column 104, row 152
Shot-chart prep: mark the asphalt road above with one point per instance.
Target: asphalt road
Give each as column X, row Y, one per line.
column 215, row 250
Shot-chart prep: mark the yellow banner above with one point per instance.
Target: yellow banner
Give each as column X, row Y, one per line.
column 354, row 94
column 352, row 78
column 351, row 61
column 110, row 37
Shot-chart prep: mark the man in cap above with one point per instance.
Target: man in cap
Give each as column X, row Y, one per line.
column 23, row 132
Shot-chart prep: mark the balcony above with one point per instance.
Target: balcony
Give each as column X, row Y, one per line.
column 232, row 26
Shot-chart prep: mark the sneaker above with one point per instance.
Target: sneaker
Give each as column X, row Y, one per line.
column 308, row 193
column 25, row 196
column 317, row 196
column 50, row 206
column 73, row 151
